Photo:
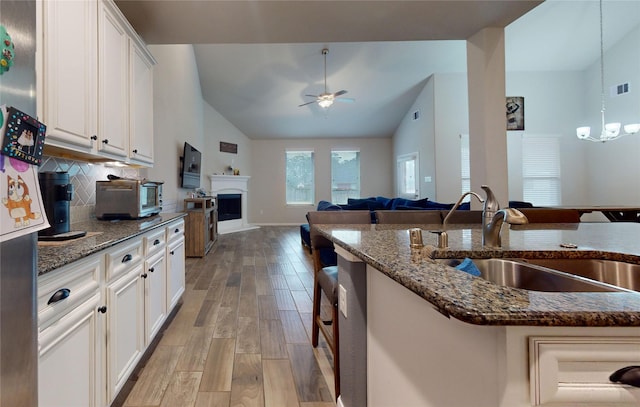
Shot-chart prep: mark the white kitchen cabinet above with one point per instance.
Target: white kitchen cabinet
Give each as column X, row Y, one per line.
column 69, row 365
column 574, row 370
column 155, row 282
column 155, row 294
column 494, row 366
column 113, row 82
column 125, row 319
column 68, row 82
column 95, row 83
column 71, row 336
column 97, row 315
column 141, row 104
column 175, row 263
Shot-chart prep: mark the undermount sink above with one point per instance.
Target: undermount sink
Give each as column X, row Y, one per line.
column 620, row 274
column 517, row 273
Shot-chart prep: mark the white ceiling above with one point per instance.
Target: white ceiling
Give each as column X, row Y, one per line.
column 257, row 59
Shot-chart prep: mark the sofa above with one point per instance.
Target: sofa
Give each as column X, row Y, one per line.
column 377, row 203
column 380, row 203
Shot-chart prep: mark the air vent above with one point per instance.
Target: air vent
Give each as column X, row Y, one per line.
column 621, row 89
column 416, row 115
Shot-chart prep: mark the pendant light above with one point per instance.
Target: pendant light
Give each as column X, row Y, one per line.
column 610, row 131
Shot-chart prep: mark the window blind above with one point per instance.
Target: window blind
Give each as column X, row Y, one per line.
column 541, row 170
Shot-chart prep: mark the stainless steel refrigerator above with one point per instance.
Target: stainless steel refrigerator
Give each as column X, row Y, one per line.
column 18, row 257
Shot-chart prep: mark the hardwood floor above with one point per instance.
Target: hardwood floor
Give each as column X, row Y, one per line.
column 242, row 335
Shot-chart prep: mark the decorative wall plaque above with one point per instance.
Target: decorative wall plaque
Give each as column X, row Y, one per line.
column 228, row 147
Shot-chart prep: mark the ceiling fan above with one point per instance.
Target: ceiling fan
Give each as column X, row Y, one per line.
column 326, row 99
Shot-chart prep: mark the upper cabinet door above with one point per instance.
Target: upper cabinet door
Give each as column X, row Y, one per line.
column 141, row 106
column 113, row 85
column 67, row 86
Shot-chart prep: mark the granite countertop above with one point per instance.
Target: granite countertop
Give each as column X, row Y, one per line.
column 101, row 234
column 474, row 300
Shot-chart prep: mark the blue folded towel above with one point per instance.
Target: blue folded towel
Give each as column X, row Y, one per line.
column 468, row 266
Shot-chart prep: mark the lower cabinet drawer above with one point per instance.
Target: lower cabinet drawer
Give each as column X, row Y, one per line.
column 572, row 371
column 175, row 230
column 123, row 257
column 62, row 290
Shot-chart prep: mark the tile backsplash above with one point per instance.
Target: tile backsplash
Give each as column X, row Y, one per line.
column 83, row 176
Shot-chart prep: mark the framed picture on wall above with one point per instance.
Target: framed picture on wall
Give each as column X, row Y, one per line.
column 515, row 113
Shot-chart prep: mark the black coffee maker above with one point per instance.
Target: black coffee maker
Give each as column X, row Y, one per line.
column 57, row 193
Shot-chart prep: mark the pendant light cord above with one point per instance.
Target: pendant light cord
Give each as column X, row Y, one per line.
column 602, row 95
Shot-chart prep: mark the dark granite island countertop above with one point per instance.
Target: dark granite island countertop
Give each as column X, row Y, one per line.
column 101, row 234
column 474, row 300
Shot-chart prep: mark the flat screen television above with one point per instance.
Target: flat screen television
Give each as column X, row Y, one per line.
column 191, row 161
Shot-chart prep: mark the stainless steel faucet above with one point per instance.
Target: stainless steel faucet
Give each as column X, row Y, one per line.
column 491, row 231
column 492, row 219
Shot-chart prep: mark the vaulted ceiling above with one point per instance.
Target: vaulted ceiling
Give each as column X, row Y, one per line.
column 258, row 59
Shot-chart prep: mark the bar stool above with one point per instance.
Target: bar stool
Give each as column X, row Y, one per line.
column 326, row 281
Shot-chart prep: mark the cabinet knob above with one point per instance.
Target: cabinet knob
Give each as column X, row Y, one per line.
column 135, row 151
column 59, row 295
column 156, row 242
column 177, row 230
column 145, row 275
column 105, row 141
column 151, row 270
column 102, row 309
column 171, row 252
column 127, row 258
column 94, row 137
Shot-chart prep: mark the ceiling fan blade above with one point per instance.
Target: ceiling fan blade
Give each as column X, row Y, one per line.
column 345, row 100
column 340, row 92
column 312, row 96
column 308, row 103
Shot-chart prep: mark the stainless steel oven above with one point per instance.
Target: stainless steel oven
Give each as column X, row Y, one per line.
column 128, row 198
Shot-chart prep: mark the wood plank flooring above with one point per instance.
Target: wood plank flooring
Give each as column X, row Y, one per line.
column 242, row 335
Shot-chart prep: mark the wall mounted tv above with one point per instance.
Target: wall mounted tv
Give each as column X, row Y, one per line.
column 191, row 161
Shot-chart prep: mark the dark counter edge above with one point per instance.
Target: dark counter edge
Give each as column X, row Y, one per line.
column 110, row 234
column 449, row 308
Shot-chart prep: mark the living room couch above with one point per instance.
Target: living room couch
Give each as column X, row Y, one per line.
column 380, row 203
column 376, row 204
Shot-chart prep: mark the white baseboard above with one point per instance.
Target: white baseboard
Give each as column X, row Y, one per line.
column 339, row 403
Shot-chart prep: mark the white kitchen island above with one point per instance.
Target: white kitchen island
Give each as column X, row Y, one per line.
column 437, row 337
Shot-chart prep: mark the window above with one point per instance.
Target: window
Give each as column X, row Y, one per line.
column 541, row 170
column 407, row 167
column 300, row 177
column 345, row 176
column 465, row 166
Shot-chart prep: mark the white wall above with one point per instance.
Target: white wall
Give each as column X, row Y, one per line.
column 418, row 136
column 555, row 104
column 444, row 116
column 177, row 109
column 613, row 168
column 452, row 112
column 552, row 108
column 217, row 129
column 267, row 183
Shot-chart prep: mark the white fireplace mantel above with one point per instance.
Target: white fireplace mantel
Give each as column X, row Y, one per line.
column 232, row 184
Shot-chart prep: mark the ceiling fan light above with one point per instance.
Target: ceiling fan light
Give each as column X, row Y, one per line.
column 583, row 132
column 325, row 103
column 632, row 128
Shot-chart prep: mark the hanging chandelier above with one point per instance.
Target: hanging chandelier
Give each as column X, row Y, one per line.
column 610, row 131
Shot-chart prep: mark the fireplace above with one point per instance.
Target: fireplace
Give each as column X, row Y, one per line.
column 229, row 206
column 232, row 195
